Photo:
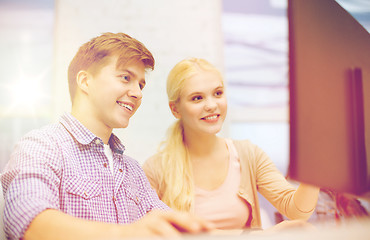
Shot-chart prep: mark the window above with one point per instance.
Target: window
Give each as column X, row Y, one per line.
column 26, row 59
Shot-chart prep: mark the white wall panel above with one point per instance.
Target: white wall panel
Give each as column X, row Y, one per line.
column 171, row 30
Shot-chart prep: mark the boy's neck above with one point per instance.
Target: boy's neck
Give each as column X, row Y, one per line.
column 97, row 128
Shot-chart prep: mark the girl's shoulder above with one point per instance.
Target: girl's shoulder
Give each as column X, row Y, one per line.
column 152, row 163
column 243, row 144
column 247, row 149
column 154, row 158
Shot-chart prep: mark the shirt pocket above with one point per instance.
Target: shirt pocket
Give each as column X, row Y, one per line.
column 138, row 201
column 84, row 188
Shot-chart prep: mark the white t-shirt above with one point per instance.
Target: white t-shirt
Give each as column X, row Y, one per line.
column 108, row 152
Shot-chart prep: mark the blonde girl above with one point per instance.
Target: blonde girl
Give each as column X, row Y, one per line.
column 216, row 178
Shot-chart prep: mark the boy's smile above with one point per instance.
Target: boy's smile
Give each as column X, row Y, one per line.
column 128, row 106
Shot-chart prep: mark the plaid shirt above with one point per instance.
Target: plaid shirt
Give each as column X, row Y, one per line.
column 63, row 166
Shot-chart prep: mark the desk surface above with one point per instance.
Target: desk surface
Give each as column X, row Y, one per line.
column 359, row 230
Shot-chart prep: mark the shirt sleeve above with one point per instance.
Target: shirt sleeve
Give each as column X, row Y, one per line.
column 275, row 188
column 30, row 181
column 151, row 195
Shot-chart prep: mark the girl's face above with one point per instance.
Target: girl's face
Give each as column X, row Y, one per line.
column 202, row 105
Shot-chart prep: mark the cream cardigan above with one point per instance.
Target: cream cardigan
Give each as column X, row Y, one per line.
column 258, row 173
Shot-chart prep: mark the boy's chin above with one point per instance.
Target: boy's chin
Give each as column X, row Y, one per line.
column 122, row 125
column 125, row 125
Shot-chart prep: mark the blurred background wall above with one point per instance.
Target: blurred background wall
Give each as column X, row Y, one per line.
column 40, row 38
column 246, row 39
column 171, row 30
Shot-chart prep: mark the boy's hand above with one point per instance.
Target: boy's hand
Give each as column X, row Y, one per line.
column 169, row 224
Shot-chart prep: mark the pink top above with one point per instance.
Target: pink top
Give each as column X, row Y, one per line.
column 223, row 206
column 257, row 172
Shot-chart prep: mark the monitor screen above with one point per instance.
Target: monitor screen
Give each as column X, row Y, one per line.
column 329, row 81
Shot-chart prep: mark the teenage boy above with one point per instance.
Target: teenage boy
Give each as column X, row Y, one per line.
column 71, row 180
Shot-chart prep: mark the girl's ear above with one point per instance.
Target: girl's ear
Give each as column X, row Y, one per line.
column 82, row 81
column 174, row 110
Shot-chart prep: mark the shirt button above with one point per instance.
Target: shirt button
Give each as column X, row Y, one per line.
column 114, row 199
column 97, row 141
column 120, row 170
column 105, row 165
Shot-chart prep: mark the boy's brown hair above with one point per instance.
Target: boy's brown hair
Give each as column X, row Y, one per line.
column 91, row 56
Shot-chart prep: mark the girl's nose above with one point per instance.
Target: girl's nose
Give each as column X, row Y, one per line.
column 210, row 105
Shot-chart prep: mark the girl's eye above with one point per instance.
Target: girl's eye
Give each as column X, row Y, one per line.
column 196, row 98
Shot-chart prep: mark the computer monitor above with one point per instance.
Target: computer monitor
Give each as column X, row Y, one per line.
column 329, row 81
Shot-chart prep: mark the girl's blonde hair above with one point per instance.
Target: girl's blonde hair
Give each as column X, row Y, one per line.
column 176, row 186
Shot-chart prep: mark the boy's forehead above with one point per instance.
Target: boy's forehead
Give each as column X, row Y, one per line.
column 124, row 63
column 119, row 62
column 133, row 67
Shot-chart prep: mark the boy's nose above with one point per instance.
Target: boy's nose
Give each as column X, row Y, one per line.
column 135, row 91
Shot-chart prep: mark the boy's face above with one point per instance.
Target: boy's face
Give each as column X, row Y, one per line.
column 115, row 94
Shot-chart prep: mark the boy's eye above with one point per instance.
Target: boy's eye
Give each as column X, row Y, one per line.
column 219, row 93
column 126, row 77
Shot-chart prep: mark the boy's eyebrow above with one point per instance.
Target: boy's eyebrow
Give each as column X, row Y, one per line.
column 132, row 74
column 127, row 71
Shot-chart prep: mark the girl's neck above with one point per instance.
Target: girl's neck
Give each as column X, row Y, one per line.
column 202, row 144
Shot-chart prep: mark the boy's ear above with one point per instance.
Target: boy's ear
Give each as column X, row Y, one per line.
column 174, row 110
column 82, row 81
